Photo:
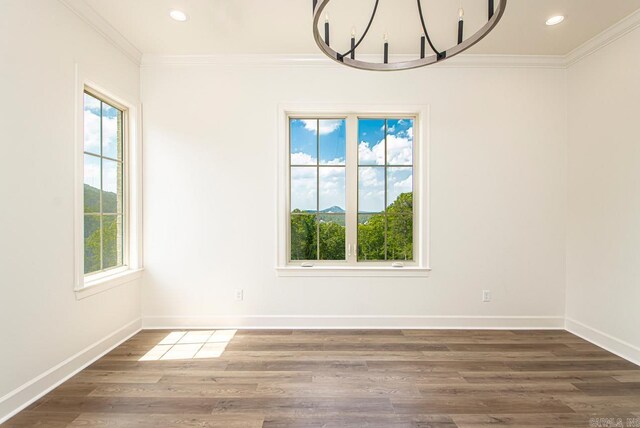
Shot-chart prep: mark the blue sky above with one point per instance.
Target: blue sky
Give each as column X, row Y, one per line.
column 371, row 151
column 92, row 126
column 304, row 151
column 304, row 142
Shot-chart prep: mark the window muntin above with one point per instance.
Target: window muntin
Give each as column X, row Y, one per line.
column 317, row 171
column 375, row 167
column 104, row 189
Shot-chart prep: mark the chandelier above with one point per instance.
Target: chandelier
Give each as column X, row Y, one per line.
column 349, row 57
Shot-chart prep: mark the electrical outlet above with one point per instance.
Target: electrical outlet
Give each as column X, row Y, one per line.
column 486, row 295
column 239, row 295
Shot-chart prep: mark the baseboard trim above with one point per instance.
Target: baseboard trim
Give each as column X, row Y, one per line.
column 363, row 322
column 21, row 397
column 610, row 343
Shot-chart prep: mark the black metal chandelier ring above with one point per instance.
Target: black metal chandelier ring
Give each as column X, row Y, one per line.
column 348, row 58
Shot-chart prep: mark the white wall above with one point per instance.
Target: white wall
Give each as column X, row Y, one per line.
column 603, row 246
column 498, row 141
column 41, row 322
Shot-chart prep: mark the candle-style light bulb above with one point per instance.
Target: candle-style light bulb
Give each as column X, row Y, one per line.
column 353, row 42
column 386, row 48
column 460, row 25
column 326, row 29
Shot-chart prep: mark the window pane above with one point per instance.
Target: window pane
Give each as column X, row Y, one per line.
column 399, row 142
column 304, row 141
column 332, row 236
column 111, row 186
column 91, row 124
column 399, row 237
column 91, row 184
column 304, row 242
column 370, row 189
column 332, row 189
column 399, row 188
column 112, row 241
column 371, row 231
column 91, row 243
column 304, row 189
column 371, row 141
column 333, row 141
column 111, row 132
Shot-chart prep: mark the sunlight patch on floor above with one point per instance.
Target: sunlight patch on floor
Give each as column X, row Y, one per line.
column 190, row 345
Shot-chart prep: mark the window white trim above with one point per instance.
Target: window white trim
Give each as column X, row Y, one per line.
column 420, row 266
column 104, row 280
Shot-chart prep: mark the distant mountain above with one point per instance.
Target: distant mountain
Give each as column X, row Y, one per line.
column 333, row 210
column 92, row 200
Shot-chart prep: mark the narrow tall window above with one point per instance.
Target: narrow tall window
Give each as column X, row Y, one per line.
column 351, row 184
column 317, row 171
column 104, row 184
column 385, row 189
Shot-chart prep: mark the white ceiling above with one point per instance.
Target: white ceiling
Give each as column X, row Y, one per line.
column 284, row 26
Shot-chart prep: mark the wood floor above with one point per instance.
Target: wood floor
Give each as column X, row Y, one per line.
column 367, row 378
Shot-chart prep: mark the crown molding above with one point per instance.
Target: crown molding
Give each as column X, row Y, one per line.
column 102, row 27
column 319, row 60
column 608, row 36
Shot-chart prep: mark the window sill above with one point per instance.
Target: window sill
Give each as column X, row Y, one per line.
column 333, row 271
column 102, row 283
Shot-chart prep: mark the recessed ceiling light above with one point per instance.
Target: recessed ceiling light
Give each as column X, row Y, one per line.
column 178, row 15
column 555, row 20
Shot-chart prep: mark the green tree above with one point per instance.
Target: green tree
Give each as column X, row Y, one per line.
column 303, row 236
column 384, row 236
column 332, row 241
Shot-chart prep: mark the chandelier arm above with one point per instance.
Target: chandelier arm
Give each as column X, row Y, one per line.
column 426, row 33
column 375, row 8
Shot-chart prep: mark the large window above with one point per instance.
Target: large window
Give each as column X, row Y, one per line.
column 350, row 190
column 104, row 184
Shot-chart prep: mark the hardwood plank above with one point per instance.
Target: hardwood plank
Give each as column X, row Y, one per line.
column 40, row 419
column 565, row 420
column 610, row 389
column 276, row 365
column 182, row 390
column 547, row 366
column 361, row 421
column 238, row 377
column 124, row 420
column 568, row 376
column 150, row 405
column 299, row 407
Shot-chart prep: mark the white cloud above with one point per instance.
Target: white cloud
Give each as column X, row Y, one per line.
column 110, row 176
column 371, row 155
column 92, row 171
column 302, row 159
column 110, row 136
column 332, row 187
column 336, row 161
column 91, row 132
column 399, row 150
column 326, row 126
column 371, row 189
column 400, row 181
column 303, row 188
